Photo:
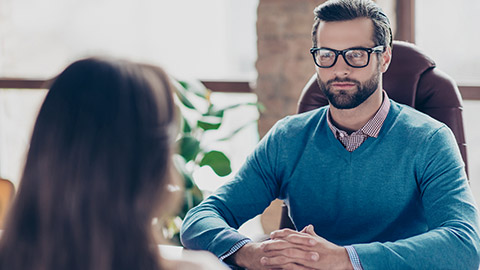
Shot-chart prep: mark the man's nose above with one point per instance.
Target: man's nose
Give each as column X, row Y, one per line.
column 341, row 68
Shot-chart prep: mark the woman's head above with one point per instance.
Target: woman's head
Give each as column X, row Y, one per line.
column 103, row 137
column 98, row 162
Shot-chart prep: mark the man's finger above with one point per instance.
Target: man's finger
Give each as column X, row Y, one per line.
column 284, row 263
column 277, row 244
column 294, row 253
column 304, row 230
column 302, row 239
column 310, row 230
column 281, row 233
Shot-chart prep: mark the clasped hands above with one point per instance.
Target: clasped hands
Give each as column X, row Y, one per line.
column 289, row 249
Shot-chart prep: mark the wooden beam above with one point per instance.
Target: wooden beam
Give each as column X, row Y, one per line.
column 216, row 86
column 467, row 92
column 16, row 83
column 405, row 20
column 227, row 86
column 470, row 92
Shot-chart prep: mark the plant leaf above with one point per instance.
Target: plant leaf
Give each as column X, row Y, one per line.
column 192, row 197
column 196, row 87
column 218, row 161
column 189, row 147
column 180, row 91
column 186, row 126
column 181, row 166
column 219, row 112
column 212, row 111
column 184, row 100
column 229, row 136
column 197, row 195
column 184, row 84
column 209, row 125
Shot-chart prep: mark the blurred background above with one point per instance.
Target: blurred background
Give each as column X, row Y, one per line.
column 244, row 51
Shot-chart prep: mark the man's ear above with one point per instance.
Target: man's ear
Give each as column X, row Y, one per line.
column 386, row 58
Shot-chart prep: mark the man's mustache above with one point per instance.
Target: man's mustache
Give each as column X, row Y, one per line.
column 338, row 80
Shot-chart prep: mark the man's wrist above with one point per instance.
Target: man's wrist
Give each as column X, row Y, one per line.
column 354, row 259
column 240, row 257
column 234, row 249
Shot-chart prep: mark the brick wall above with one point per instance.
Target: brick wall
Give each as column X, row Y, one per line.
column 284, row 63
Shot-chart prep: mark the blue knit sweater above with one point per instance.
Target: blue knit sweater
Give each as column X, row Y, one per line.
column 402, row 199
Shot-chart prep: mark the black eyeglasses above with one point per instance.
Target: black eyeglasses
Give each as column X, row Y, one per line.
column 354, row 57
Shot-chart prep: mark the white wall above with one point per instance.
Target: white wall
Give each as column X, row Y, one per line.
column 208, row 39
column 448, row 31
column 18, row 110
column 201, row 39
column 472, row 129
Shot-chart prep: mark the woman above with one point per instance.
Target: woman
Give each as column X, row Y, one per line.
column 97, row 173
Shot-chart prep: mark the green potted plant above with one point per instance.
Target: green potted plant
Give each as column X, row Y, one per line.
column 198, row 116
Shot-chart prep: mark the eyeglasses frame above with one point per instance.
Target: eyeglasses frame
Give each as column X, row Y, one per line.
column 376, row 49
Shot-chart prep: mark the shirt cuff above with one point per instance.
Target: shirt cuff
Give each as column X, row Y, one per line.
column 354, row 259
column 235, row 248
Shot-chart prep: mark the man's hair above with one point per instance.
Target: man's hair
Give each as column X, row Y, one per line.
column 344, row 10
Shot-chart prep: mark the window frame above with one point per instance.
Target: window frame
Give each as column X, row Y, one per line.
column 405, row 21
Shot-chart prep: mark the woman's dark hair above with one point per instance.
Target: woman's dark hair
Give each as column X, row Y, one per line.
column 96, row 171
column 344, row 10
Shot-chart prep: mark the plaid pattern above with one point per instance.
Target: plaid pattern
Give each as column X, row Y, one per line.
column 235, row 248
column 352, row 253
column 370, row 129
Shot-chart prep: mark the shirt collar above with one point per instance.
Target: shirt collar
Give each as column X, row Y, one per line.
column 373, row 126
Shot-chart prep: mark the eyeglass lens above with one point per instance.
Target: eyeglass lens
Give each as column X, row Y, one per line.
column 326, row 57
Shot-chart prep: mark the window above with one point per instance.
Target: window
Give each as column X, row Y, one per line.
column 448, row 31
column 210, row 39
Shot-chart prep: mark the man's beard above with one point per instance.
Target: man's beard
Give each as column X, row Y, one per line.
column 349, row 99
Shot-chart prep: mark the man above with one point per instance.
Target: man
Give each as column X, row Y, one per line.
column 372, row 184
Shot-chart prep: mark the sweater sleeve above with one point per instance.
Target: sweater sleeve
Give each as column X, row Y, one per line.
column 452, row 240
column 213, row 224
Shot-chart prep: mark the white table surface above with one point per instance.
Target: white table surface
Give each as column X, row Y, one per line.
column 172, row 252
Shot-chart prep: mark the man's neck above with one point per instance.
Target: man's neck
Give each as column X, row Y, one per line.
column 351, row 120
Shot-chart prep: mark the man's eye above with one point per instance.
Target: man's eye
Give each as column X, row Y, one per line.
column 356, row 54
column 326, row 55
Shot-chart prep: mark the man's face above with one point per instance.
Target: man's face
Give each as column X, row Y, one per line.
column 347, row 87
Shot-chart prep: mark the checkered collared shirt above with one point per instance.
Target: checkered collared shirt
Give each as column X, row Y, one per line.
column 370, row 129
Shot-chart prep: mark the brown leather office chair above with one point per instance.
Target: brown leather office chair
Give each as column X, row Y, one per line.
column 7, row 191
column 411, row 79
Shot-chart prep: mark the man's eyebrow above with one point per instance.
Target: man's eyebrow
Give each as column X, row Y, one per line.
column 350, row 48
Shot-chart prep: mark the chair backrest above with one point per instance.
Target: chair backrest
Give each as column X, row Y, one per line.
column 411, row 79
column 7, row 191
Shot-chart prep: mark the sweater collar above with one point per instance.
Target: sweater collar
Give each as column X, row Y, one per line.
column 372, row 127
